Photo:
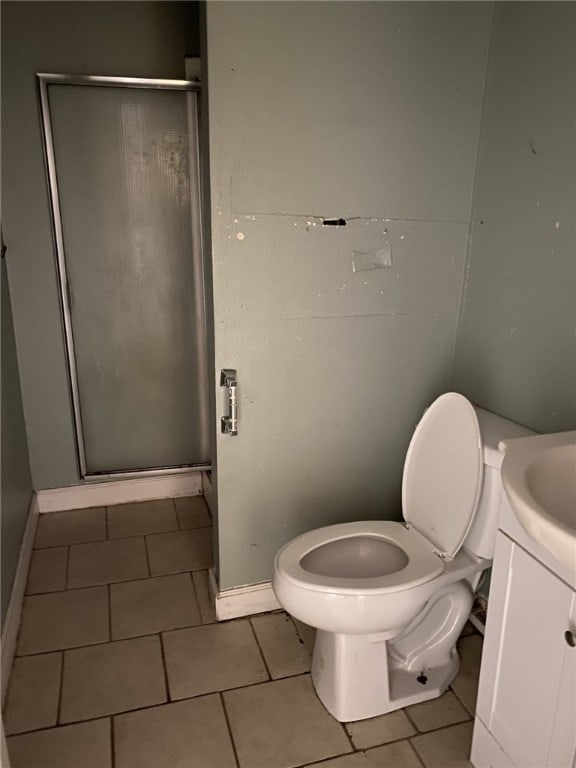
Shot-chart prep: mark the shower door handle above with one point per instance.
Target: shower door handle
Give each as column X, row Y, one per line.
column 229, row 423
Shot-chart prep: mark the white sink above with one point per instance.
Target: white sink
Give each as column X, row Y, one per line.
column 539, row 477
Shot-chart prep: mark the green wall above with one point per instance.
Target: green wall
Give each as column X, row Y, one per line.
column 362, row 110
column 515, row 351
column 16, row 484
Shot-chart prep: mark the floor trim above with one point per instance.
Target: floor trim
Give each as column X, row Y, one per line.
column 242, row 601
column 14, row 611
column 101, row 494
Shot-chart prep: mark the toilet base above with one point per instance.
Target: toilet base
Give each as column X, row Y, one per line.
column 354, row 680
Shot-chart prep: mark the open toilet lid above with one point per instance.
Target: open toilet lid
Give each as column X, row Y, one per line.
column 443, row 473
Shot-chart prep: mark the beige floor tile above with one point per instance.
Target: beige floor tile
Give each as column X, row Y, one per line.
column 205, row 601
column 282, row 724
column 73, row 527
column 188, row 734
column 283, row 650
column 140, row 518
column 33, row 694
column 192, row 512
column 86, row 745
column 448, row 748
column 64, row 620
column 307, row 634
column 212, row 657
column 153, row 605
column 436, row 713
column 107, row 561
column 115, row 677
column 47, row 570
column 465, row 684
column 397, row 755
column 180, row 551
column 380, row 730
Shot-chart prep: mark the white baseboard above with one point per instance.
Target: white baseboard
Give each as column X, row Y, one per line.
column 14, row 611
column 101, row 494
column 242, row 601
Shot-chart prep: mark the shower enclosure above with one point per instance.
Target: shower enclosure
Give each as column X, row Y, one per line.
column 123, row 168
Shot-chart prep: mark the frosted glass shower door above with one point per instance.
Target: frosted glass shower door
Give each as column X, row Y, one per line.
column 123, row 165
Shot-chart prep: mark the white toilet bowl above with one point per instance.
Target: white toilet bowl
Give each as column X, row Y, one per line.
column 356, row 578
column 371, row 656
column 389, row 599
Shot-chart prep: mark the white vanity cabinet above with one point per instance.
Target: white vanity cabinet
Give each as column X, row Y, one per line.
column 526, row 708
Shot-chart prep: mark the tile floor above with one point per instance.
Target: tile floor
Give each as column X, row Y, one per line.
column 121, row 664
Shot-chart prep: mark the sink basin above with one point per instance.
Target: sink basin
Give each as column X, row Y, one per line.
column 539, row 477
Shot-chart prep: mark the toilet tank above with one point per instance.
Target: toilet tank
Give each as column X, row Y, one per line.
column 481, row 538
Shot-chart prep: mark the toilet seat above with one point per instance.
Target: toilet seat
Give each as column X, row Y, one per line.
column 422, row 565
column 443, row 473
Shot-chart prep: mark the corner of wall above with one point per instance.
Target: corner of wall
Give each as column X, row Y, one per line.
column 470, row 223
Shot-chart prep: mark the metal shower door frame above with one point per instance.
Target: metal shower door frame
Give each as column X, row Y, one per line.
column 192, row 88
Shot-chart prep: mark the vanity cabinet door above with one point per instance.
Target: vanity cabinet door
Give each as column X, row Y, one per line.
column 533, row 684
column 563, row 741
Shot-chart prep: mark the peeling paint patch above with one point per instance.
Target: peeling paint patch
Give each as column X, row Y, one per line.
column 378, row 258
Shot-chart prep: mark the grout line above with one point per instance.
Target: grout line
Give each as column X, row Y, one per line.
column 94, row 718
column 441, row 728
column 349, row 737
column 67, row 571
column 327, row 760
column 147, row 556
column 112, row 743
column 121, row 639
column 420, row 759
column 229, row 728
column 129, row 581
column 464, row 706
column 63, row 649
column 109, row 599
column 165, row 667
column 301, row 639
column 220, row 693
column 106, row 523
column 60, row 689
column 152, row 634
column 411, row 721
column 135, row 535
column 266, row 667
column 470, row 716
column 197, row 600
column 118, row 714
column 176, row 513
column 77, row 589
column 68, row 544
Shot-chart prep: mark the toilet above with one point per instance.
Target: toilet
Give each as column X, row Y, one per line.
column 389, row 599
